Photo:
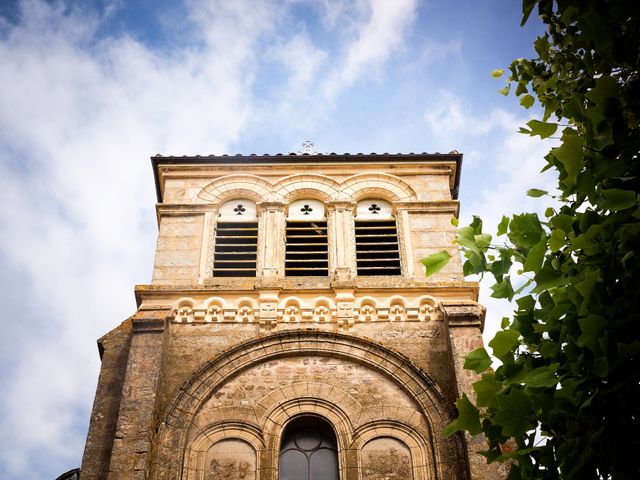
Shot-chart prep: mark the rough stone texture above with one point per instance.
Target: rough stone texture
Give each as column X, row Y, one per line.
column 104, row 416
column 133, row 431
column 178, row 250
column 202, row 381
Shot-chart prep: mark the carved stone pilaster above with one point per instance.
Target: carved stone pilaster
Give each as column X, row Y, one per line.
column 342, row 243
column 271, row 242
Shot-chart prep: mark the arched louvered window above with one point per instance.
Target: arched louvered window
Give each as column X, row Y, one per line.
column 308, row 451
column 236, row 240
column 377, row 249
column 307, row 252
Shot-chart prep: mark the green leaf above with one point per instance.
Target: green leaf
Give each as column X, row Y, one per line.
column 570, row 155
column 563, row 222
column 527, row 101
column 546, row 279
column 525, row 230
column 585, row 287
column 501, row 267
column 466, row 238
column 486, row 390
column 513, row 413
column 454, row 221
column 436, row 262
column 504, row 342
column 534, row 192
column 557, row 240
column 542, row 377
column 497, row 73
column 478, row 360
column 527, row 7
column 543, row 129
column 591, row 328
column 505, row 91
column 616, row 199
column 468, row 418
column 503, row 289
column 482, row 240
column 535, row 257
column 503, row 225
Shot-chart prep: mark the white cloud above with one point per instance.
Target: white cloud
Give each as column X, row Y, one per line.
column 374, row 41
column 79, row 117
column 80, row 113
column 450, row 118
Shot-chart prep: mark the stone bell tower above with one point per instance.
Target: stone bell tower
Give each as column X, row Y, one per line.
column 289, row 331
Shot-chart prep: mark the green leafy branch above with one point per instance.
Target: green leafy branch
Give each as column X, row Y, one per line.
column 569, row 355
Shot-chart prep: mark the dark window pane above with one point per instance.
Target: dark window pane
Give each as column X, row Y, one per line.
column 307, row 439
column 293, row 465
column 308, row 451
column 324, row 465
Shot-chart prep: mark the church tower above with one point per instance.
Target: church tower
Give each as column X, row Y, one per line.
column 289, row 331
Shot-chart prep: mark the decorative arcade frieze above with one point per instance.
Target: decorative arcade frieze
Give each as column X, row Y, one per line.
column 343, row 309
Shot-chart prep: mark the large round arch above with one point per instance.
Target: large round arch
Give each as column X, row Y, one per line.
column 176, row 426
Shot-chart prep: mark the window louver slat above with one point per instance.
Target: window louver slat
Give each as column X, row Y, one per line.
column 307, row 251
column 377, row 251
column 236, row 248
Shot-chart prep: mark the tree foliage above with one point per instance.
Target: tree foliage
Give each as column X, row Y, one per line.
column 567, row 391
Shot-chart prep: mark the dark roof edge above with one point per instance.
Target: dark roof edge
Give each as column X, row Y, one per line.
column 296, row 158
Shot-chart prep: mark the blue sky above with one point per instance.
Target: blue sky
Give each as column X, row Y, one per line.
column 90, row 90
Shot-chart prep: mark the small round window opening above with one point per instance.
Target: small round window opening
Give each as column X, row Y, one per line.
column 308, row 451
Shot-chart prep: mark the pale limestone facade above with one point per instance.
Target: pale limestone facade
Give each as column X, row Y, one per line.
column 203, row 380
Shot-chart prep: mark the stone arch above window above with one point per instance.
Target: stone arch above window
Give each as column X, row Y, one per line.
column 388, row 187
column 227, row 450
column 315, row 186
column 223, row 188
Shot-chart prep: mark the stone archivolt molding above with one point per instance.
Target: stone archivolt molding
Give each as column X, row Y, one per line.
column 208, row 437
column 292, row 309
column 181, row 432
column 320, row 187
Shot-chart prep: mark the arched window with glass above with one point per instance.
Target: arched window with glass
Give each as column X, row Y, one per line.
column 377, row 246
column 308, row 451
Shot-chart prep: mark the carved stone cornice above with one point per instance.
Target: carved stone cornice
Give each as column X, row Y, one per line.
column 463, row 314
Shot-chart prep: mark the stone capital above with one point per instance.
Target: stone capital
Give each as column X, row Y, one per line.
column 341, row 206
column 270, row 206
